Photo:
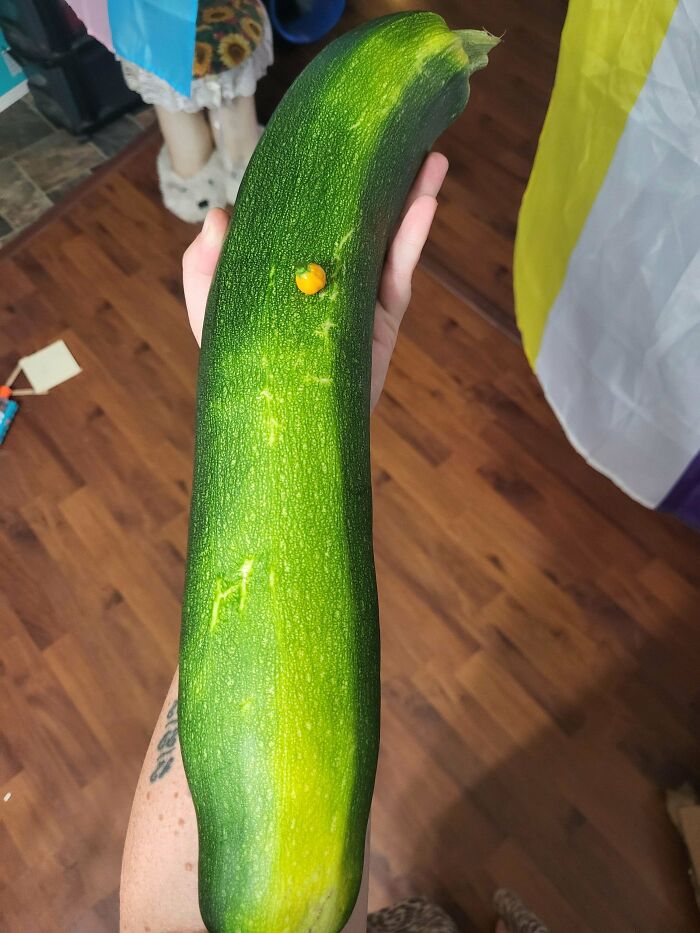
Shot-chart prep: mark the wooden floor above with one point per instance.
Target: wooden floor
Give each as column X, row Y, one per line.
column 540, row 630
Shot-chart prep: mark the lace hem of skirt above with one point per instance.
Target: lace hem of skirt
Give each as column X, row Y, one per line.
column 209, row 92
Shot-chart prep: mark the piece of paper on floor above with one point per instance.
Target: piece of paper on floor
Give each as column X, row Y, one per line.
column 49, row 367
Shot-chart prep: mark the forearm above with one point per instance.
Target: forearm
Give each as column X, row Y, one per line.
column 159, row 868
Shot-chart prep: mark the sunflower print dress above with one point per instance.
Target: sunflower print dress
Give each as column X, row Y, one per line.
column 227, row 33
column 233, row 50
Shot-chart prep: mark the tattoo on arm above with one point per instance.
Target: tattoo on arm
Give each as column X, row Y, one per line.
column 166, row 747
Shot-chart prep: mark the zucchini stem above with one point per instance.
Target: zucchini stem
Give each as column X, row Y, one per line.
column 477, row 43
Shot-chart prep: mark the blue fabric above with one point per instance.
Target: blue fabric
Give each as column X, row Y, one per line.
column 11, row 75
column 157, row 35
column 305, row 20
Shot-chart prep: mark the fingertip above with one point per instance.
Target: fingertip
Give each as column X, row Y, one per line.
column 214, row 227
column 202, row 254
column 422, row 212
column 439, row 169
column 430, row 177
column 441, row 159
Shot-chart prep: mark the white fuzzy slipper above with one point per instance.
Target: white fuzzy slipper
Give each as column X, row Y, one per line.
column 191, row 198
column 233, row 175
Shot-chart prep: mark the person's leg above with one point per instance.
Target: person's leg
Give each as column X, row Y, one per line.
column 235, row 127
column 187, row 138
column 189, row 169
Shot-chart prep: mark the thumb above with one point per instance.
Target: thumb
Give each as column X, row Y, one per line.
column 198, row 266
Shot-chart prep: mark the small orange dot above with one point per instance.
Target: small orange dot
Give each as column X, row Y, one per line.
column 310, row 278
column 188, row 866
column 181, row 822
column 176, row 794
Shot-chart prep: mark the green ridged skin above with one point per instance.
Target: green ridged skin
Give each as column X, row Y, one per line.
column 279, row 663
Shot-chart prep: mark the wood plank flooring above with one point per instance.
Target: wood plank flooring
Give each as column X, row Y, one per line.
column 540, row 630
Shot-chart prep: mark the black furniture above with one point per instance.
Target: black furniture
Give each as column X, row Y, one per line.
column 75, row 81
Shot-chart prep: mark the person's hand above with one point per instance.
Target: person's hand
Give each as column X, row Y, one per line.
column 200, row 258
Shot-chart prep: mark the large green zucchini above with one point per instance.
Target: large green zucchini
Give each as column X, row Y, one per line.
column 279, row 675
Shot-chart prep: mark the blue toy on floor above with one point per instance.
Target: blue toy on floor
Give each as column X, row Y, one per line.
column 8, row 410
